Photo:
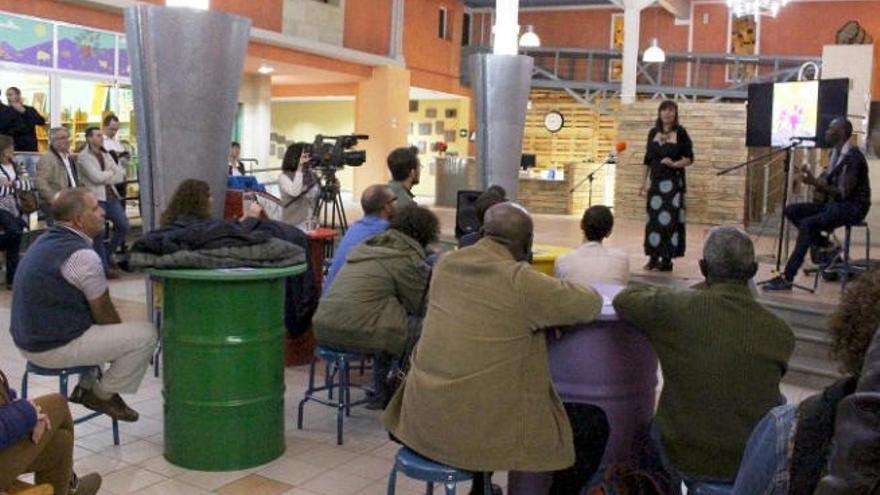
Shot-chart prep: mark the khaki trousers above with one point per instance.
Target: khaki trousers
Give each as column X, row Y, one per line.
column 51, row 460
column 127, row 346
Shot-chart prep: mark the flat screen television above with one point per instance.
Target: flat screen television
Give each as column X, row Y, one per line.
column 778, row 112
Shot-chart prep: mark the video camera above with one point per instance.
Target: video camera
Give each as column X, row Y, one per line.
column 333, row 156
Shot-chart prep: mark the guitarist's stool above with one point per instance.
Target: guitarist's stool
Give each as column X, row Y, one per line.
column 841, row 264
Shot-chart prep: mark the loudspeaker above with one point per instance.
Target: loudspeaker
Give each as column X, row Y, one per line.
column 466, row 220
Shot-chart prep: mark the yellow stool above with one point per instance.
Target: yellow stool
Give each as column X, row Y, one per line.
column 22, row 488
column 544, row 257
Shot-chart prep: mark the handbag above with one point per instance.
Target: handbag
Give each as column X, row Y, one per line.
column 27, row 201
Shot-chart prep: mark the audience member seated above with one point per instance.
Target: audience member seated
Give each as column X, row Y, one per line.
column 37, row 437
column 854, row 465
column 491, row 197
column 593, row 263
column 234, row 166
column 405, row 168
column 377, row 202
column 56, row 170
column 478, row 394
column 62, row 314
column 11, row 221
column 722, row 355
column 377, row 302
column 768, row 465
column 190, row 210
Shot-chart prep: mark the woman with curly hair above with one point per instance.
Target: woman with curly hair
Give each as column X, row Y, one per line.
column 192, row 199
column 788, row 451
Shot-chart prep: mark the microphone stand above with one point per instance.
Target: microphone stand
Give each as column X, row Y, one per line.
column 590, row 178
column 786, row 175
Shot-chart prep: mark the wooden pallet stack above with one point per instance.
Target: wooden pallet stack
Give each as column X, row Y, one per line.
column 718, row 131
column 583, row 143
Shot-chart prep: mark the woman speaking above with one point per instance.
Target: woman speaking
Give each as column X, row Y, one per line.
column 668, row 153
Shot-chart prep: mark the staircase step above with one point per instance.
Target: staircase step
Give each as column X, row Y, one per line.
column 811, row 372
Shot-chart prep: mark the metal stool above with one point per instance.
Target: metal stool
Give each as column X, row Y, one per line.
column 63, row 374
column 338, row 366
column 423, row 469
column 841, row 263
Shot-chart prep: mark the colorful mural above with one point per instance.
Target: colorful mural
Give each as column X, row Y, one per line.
column 25, row 41
column 86, row 50
column 124, row 63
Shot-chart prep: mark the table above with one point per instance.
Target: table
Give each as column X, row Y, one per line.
column 609, row 364
column 223, row 340
column 544, row 257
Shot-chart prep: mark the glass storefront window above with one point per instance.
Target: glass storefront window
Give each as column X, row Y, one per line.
column 34, row 92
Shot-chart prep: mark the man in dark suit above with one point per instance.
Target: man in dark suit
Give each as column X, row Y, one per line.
column 846, row 185
column 56, row 169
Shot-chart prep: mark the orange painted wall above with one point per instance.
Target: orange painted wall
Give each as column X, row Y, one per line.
column 265, row 14
column 66, row 12
column 433, row 62
column 367, row 26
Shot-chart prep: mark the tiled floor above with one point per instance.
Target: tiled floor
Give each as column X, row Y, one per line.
column 312, row 464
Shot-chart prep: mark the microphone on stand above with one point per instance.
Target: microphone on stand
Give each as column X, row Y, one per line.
column 612, row 158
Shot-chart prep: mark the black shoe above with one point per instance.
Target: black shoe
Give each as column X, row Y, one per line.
column 114, row 407
column 665, row 266
column 87, row 485
column 496, row 490
column 777, row 284
column 652, row 264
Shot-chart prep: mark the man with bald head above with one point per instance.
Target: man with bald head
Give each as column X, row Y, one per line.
column 842, row 197
column 378, row 202
column 722, row 354
column 478, row 394
column 62, row 314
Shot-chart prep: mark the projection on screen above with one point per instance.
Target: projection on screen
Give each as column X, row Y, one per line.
column 795, row 111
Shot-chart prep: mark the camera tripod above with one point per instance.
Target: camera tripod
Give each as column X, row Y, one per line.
column 328, row 205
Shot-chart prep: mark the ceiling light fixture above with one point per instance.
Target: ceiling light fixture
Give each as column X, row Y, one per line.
column 529, row 39
column 265, row 69
column 743, row 8
column 192, row 4
column 654, row 54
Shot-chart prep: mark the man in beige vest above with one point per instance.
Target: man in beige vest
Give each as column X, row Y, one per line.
column 478, row 395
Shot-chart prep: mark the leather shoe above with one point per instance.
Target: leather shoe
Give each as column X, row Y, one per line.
column 87, row 485
column 665, row 266
column 114, row 407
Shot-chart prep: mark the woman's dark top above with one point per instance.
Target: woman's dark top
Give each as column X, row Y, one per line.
column 682, row 148
column 21, row 126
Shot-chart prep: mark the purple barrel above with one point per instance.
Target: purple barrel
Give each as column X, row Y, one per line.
column 607, row 363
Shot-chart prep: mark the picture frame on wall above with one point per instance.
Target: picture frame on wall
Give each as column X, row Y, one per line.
column 425, row 129
column 412, row 128
column 413, row 105
column 431, row 113
column 615, row 66
column 449, row 136
column 439, row 127
column 423, row 147
column 451, row 113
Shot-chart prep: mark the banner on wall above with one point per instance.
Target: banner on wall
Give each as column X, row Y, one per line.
column 26, row 41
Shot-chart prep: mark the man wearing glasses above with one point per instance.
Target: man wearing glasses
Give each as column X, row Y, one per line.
column 56, row 170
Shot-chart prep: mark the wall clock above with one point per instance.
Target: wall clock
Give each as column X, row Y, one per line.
column 554, row 121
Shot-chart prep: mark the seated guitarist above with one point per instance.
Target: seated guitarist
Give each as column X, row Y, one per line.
column 846, row 186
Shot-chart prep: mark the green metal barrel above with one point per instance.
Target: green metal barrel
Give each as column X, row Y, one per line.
column 223, row 366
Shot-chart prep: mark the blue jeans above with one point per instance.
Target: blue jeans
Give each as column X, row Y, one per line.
column 695, row 486
column 765, row 462
column 115, row 214
column 811, row 219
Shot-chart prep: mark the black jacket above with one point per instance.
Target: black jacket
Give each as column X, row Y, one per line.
column 854, row 466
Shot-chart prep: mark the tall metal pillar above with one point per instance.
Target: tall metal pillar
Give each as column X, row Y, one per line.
column 500, row 84
column 186, row 69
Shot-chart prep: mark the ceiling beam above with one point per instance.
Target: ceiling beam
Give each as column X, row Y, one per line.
column 681, row 9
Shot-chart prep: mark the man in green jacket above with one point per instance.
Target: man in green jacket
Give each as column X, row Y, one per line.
column 376, row 302
column 478, row 394
column 722, row 354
